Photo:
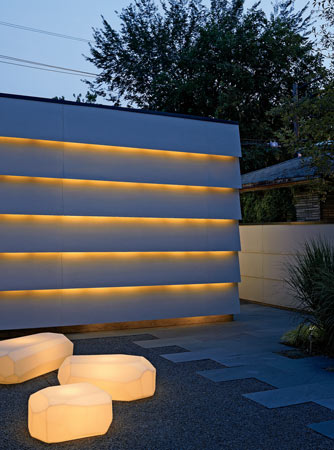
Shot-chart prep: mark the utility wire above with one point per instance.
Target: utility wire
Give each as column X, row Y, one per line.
column 41, row 68
column 36, row 30
column 26, row 61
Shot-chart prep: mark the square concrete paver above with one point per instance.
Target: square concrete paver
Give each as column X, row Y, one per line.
column 324, row 428
column 249, row 349
column 293, row 395
column 179, row 341
column 326, row 402
column 260, row 372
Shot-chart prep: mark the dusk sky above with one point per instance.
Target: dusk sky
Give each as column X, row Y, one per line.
column 74, row 18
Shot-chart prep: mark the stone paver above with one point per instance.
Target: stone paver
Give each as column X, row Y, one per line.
column 249, row 348
column 260, row 372
column 179, row 341
column 221, row 350
column 324, row 428
column 326, row 402
column 275, row 376
column 211, row 353
column 292, row 395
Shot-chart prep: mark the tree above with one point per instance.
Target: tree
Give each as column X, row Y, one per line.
column 326, row 12
column 220, row 61
column 269, row 205
column 313, row 110
column 315, row 138
column 79, row 98
column 256, row 156
column 88, row 98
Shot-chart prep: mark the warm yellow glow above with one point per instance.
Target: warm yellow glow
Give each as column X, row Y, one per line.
column 28, row 357
column 27, row 255
column 97, row 147
column 63, row 413
column 115, row 219
column 114, row 291
column 124, row 377
column 82, row 255
column 116, row 184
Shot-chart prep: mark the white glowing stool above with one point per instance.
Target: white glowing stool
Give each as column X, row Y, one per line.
column 27, row 357
column 125, row 377
column 74, row 411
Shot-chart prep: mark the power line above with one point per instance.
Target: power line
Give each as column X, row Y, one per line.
column 37, row 30
column 41, row 68
column 80, row 72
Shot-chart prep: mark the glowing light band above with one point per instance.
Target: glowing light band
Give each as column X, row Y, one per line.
column 125, row 254
column 118, row 184
column 93, row 147
column 144, row 220
column 118, row 290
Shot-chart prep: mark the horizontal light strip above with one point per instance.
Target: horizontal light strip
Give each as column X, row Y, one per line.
column 104, row 290
column 121, row 184
column 117, row 254
column 79, row 146
column 161, row 220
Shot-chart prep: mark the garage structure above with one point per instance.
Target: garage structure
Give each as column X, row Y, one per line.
column 113, row 215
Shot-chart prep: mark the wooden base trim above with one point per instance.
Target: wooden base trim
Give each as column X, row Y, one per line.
column 180, row 321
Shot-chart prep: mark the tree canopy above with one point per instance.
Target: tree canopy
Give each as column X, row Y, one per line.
column 326, row 13
column 219, row 61
column 313, row 111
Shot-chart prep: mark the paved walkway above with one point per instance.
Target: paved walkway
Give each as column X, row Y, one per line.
column 247, row 348
column 219, row 387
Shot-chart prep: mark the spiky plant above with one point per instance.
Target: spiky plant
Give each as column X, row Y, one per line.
column 324, row 288
column 310, row 277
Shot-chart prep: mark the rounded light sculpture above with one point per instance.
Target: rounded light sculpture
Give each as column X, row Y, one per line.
column 124, row 377
column 27, row 357
column 64, row 413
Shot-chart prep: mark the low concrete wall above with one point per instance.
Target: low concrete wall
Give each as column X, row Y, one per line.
column 265, row 252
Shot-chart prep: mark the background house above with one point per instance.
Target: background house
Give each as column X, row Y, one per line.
column 266, row 248
column 294, row 173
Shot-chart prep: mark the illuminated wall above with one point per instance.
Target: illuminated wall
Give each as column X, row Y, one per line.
column 113, row 215
column 266, row 252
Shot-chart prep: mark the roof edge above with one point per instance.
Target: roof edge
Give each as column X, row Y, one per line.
column 302, row 158
column 115, row 108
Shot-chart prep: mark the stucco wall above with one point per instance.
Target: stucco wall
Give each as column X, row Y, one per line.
column 113, row 216
column 265, row 251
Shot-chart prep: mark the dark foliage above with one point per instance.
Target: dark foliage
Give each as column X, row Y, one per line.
column 311, row 281
column 220, row 61
column 273, row 205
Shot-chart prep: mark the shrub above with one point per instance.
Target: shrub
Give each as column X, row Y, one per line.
column 272, row 205
column 302, row 335
column 311, row 282
column 324, row 288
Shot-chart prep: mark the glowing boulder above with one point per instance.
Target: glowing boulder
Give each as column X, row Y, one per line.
column 27, row 357
column 124, row 377
column 74, row 411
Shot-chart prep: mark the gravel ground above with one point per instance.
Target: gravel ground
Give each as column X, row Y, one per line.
column 187, row 411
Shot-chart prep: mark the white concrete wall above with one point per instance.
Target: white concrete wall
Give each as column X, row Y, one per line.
column 37, row 195
column 111, row 216
column 103, row 162
column 90, row 125
column 265, row 252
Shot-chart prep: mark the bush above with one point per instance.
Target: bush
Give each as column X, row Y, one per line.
column 311, row 282
column 325, row 290
column 271, row 205
column 303, row 335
